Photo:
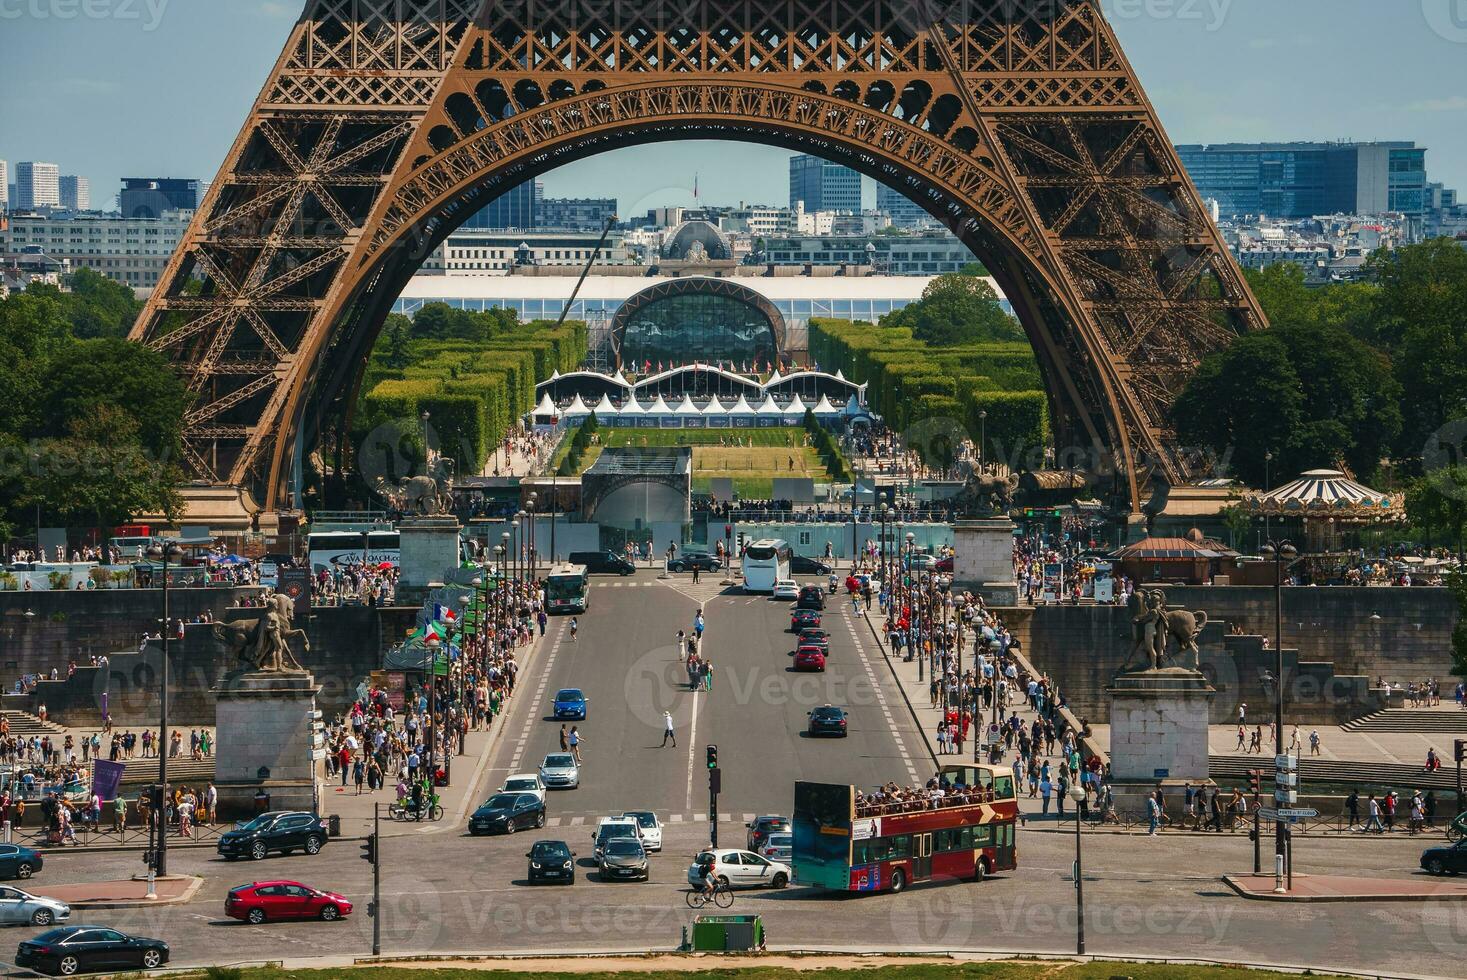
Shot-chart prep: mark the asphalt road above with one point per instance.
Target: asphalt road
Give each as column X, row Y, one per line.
column 444, row 891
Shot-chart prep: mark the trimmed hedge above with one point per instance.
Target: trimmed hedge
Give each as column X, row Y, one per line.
column 910, row 382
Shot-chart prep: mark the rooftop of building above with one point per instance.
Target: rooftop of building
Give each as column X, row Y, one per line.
column 621, row 288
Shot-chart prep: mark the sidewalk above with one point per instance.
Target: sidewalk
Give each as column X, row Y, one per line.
column 465, row 774
column 1339, row 888
column 128, row 893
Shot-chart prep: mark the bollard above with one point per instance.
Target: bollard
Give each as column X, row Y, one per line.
column 7, row 831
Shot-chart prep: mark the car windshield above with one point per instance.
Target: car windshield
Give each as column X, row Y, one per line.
column 521, row 783
column 780, row 840
column 543, row 850
column 559, row 761
column 827, row 714
column 259, row 823
column 569, row 694
column 644, row 819
column 610, row 830
column 502, row 801
column 624, row 848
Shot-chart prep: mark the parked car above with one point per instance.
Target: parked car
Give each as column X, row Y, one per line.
column 739, row 869
column 504, row 813
column 612, row 828
column 828, row 720
column 701, row 560
column 560, row 771
column 89, row 949
column 944, row 565
column 779, row 847
column 922, row 562
column 18, row 907
column 524, row 783
column 551, row 860
column 623, row 858
column 279, row 831
column 272, row 901
column 1449, row 859
column 800, row 565
column 762, row 827
column 18, row 862
column 786, row 588
column 809, row 658
column 648, row 826
column 603, row 562
column 570, row 703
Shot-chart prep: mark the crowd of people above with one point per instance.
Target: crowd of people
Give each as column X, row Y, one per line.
column 355, row 581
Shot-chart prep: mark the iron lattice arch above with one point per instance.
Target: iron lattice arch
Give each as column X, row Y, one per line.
column 727, row 289
column 387, row 122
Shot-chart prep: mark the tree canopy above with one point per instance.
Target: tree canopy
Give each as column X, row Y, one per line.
column 954, row 310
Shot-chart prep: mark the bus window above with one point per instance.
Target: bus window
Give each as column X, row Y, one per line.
column 1003, row 787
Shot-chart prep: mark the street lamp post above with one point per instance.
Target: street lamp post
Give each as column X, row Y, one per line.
column 1077, row 794
column 433, row 645
column 1279, row 551
column 530, row 513
column 982, row 435
column 160, row 858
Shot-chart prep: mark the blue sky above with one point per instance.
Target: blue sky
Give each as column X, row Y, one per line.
column 160, row 87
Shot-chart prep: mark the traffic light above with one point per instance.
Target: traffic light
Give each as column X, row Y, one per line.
column 369, row 849
column 1255, row 778
column 712, row 757
column 1461, row 746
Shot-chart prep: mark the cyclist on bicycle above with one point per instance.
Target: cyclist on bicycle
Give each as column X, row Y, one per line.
column 710, row 882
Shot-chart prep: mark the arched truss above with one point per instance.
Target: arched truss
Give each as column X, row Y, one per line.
column 700, row 286
column 387, row 122
column 596, row 492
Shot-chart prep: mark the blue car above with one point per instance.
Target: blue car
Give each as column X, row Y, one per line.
column 570, row 703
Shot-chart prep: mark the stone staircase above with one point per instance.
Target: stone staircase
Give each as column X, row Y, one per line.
column 181, row 771
column 1377, row 775
column 1447, row 718
column 23, row 724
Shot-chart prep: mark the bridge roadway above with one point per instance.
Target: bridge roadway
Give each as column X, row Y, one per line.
column 444, row 891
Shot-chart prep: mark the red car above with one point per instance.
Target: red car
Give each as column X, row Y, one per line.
column 944, row 565
column 267, row 901
column 809, row 658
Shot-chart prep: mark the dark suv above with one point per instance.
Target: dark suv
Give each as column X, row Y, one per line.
column 701, row 560
column 811, row 597
column 602, row 562
column 280, row 831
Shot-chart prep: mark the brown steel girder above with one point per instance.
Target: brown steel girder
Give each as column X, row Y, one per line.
column 1020, row 125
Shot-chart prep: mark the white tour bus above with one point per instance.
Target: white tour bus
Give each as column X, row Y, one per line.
column 765, row 562
column 329, row 549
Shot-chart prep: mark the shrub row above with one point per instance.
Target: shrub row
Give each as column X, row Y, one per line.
column 910, row 382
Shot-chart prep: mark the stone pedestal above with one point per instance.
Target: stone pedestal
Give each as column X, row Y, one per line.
column 983, row 559
column 429, row 548
column 1158, row 736
column 265, row 738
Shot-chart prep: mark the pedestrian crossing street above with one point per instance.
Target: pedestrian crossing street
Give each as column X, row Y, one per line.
column 668, row 819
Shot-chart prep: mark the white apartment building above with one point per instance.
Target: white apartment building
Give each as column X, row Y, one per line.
column 133, row 251
column 76, row 193
column 484, row 252
column 37, row 185
column 4, row 186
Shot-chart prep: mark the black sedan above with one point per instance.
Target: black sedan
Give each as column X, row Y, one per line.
column 89, row 949
column 504, row 813
column 800, row 565
column 815, row 637
column 18, row 862
column 1449, row 859
column 551, row 860
column 279, row 831
column 802, row 619
column 701, row 560
column 828, row 721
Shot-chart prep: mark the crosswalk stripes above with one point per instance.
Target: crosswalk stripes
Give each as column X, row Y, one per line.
column 669, row 818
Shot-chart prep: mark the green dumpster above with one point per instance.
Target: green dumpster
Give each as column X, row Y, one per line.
column 726, row 933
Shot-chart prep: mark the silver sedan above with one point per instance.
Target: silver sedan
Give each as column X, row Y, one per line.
column 22, row 908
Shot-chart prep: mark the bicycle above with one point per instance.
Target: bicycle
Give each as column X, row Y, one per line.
column 722, row 897
column 406, row 811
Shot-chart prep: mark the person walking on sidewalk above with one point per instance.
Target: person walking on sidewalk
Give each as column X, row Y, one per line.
column 668, row 732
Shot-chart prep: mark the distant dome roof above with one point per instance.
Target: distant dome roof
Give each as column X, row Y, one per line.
column 715, row 244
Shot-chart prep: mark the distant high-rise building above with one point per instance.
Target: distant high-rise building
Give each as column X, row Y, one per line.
column 823, row 186
column 4, row 185
column 76, row 193
column 149, row 197
column 905, row 213
column 513, row 209
column 575, row 213
column 37, row 185
column 1301, row 180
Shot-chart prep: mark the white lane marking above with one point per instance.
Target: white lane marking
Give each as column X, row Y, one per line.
column 677, row 818
column 748, row 818
column 553, row 822
column 577, row 821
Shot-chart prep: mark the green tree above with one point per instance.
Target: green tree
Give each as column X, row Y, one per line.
column 955, row 310
column 109, row 372
column 1457, row 583
column 1438, row 502
column 397, row 340
column 100, row 307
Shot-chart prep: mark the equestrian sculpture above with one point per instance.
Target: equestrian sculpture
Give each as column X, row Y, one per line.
column 264, row 644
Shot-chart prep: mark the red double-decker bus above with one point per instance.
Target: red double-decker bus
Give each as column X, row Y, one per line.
column 844, row 845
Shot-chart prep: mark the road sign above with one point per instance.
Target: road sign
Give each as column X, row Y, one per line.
column 1297, row 812
column 1285, row 763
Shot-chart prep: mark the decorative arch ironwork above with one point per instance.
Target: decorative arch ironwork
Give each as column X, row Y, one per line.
column 385, row 123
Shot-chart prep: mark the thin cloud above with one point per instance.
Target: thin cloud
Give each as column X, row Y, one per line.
column 1454, row 103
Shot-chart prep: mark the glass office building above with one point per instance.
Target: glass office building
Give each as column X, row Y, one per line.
column 699, row 317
